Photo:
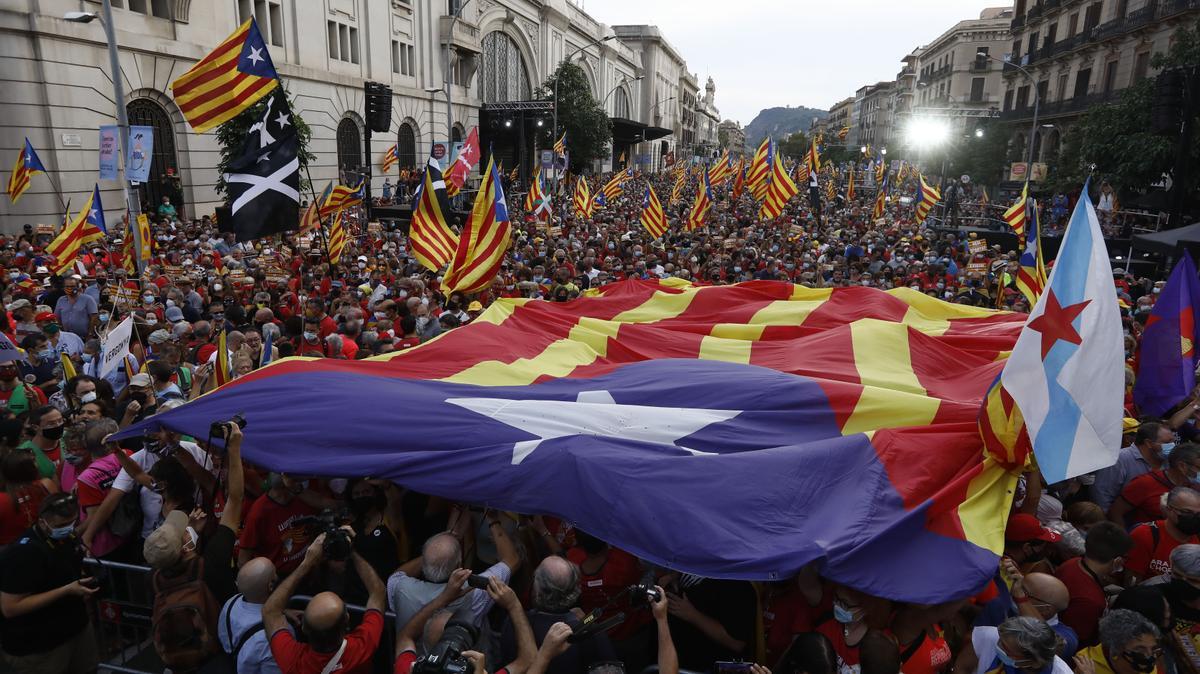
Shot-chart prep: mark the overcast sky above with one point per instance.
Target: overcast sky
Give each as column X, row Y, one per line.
column 767, row 53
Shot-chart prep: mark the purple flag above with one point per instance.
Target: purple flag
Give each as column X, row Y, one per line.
column 1168, row 358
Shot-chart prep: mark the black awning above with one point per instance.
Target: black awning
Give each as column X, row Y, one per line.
column 656, row 132
column 626, row 130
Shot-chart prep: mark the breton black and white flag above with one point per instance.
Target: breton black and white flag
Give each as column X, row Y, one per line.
column 264, row 182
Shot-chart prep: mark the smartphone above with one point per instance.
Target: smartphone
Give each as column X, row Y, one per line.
column 725, row 667
column 477, row 581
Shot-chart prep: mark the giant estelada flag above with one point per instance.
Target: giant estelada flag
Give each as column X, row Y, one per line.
column 264, row 181
column 730, row 431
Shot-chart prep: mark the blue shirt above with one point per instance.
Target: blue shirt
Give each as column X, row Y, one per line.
column 76, row 313
column 1110, row 481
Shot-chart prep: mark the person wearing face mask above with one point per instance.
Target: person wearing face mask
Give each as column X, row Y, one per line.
column 1025, row 543
column 22, row 495
column 1085, row 577
column 47, row 425
column 1154, row 541
column 1141, row 499
column 1129, row 644
column 17, row 396
column 314, row 308
column 310, row 343
column 73, row 393
column 41, row 363
column 1040, row 595
column 377, row 518
column 1019, row 645
column 605, row 573
column 42, row 596
column 79, row 312
column 1144, row 455
column 847, row 627
column 271, row 529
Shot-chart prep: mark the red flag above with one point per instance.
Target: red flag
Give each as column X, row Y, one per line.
column 468, row 157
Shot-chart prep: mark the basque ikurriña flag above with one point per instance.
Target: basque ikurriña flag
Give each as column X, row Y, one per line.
column 1167, row 358
column 1066, row 374
column 728, row 431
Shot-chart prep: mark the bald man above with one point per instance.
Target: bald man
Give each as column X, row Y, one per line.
column 1040, row 595
column 240, row 625
column 331, row 646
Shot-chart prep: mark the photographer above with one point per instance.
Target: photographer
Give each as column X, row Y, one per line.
column 42, row 593
column 273, row 527
column 432, row 633
column 331, row 645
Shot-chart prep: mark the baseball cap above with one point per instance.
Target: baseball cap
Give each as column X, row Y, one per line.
column 174, row 314
column 140, row 379
column 45, row 316
column 1025, row 527
column 159, row 337
column 475, row 306
column 164, row 545
column 19, row 304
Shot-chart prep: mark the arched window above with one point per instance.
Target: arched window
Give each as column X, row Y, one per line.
column 456, row 133
column 504, row 75
column 164, row 174
column 406, row 146
column 349, row 150
column 621, row 103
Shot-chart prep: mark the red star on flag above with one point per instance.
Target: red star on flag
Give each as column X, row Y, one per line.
column 1055, row 323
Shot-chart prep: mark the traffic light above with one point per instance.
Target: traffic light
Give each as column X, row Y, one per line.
column 1166, row 112
column 379, row 106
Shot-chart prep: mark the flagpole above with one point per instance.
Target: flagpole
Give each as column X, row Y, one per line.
column 320, row 224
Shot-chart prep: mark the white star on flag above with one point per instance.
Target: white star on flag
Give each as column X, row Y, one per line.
column 282, row 120
column 594, row 413
column 255, row 55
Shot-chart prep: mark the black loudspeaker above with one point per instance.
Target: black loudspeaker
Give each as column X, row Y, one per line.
column 379, row 106
column 1166, row 112
column 224, row 218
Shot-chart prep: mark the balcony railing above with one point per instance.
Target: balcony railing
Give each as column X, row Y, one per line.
column 465, row 34
column 981, row 66
column 1065, row 106
column 1033, row 14
column 1051, row 5
column 1172, row 7
column 1108, row 29
column 1017, row 23
column 1141, row 17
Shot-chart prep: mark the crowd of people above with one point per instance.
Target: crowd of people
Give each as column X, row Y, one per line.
column 1100, row 574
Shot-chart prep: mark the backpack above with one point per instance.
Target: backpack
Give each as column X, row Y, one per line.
column 185, row 618
column 126, row 520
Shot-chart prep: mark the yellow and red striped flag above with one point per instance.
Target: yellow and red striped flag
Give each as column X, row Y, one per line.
column 850, row 183
column 779, row 192
column 1017, row 214
column 927, row 196
column 221, row 371
column 739, row 183
column 583, row 199
column 233, row 77
column 880, row 199
column 760, row 169
column 654, row 220
column 310, row 220
column 721, row 170
column 429, row 235
column 484, row 241
column 560, row 145
column 86, row 226
column 27, row 164
column 342, row 197
column 843, row 132
column 390, row 159
column 702, row 205
column 337, row 239
column 677, row 190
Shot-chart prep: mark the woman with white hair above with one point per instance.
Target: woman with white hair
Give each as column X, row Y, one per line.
column 1020, row 645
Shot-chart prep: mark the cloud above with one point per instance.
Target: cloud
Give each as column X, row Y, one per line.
column 765, row 53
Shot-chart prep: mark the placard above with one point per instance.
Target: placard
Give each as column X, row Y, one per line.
column 140, row 152
column 44, row 229
column 977, row 268
column 108, row 152
column 120, row 294
column 977, row 245
column 374, row 228
column 115, row 345
column 304, row 242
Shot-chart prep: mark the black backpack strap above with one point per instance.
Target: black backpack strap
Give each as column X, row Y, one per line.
column 246, row 636
column 912, row 648
column 228, row 610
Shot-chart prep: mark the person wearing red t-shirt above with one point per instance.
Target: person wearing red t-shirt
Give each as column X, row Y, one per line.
column 315, row 308
column 605, row 573
column 330, row 643
column 1085, row 577
column 271, row 530
column 1154, row 541
column 456, row 587
column 1141, row 499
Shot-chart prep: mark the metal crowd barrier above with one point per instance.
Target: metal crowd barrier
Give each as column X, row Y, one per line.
column 122, row 612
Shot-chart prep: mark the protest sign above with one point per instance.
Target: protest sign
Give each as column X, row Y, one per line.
column 115, row 346
column 977, row 245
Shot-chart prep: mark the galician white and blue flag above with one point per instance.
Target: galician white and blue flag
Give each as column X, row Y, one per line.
column 1067, row 370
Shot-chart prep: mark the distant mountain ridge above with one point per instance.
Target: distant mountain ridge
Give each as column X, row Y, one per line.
column 779, row 122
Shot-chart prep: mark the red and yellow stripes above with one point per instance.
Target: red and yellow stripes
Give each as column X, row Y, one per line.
column 654, row 220
column 779, row 192
column 390, row 159
column 337, row 239
column 760, row 169
column 19, row 179
column 484, row 241
column 926, row 199
column 214, row 91
column 430, row 238
column 1017, row 214
column 583, row 198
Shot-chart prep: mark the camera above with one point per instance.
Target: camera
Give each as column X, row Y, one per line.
column 446, row 656
column 645, row 592
column 218, row 430
column 338, row 544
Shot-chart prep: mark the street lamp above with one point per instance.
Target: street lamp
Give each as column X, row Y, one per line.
column 624, row 80
column 557, row 77
column 132, row 205
column 454, row 17
column 1034, row 126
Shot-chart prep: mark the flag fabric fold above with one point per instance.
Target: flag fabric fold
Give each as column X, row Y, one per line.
column 653, row 219
column 582, row 201
column 1031, row 278
column 702, row 205
column 28, row 163
column 342, row 197
column 649, row 402
column 337, row 239
column 1018, row 213
column 264, row 181
column 1167, row 359
column 464, row 163
column 390, row 159
column 780, row 190
column 927, row 197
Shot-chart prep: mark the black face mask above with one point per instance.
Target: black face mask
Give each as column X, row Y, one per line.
column 1140, row 661
column 139, row 398
column 1189, row 524
column 53, row 433
column 1034, row 555
column 1183, row 590
column 362, row 505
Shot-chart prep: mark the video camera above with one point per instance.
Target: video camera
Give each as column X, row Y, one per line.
column 446, row 656
column 338, row 544
column 218, row 428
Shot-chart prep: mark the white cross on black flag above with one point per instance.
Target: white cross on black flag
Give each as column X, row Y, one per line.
column 264, row 182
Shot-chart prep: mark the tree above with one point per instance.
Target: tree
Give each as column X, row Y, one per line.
column 580, row 115
column 795, row 146
column 231, row 134
column 1116, row 141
